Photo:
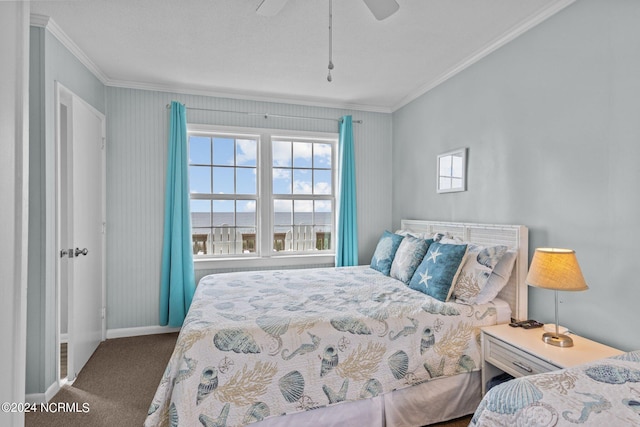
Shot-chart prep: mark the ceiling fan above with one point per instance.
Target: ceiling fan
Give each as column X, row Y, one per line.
column 381, row 9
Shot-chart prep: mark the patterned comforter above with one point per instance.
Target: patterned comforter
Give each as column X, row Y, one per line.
column 261, row 344
column 602, row 393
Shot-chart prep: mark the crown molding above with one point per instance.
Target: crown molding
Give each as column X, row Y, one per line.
column 50, row 25
column 247, row 96
column 490, row 47
column 39, row 20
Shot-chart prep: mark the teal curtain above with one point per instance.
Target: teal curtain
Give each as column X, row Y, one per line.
column 347, row 226
column 177, row 277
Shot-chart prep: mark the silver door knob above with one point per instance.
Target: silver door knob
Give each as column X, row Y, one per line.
column 82, row 251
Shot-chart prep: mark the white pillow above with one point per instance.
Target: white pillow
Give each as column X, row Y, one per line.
column 452, row 240
column 498, row 279
column 478, row 267
column 435, row 236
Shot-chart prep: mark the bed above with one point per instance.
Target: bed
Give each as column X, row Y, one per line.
column 334, row 346
column 604, row 392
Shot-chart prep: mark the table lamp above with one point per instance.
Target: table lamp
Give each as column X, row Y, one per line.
column 556, row 269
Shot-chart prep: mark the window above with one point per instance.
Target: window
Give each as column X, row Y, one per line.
column 303, row 199
column 261, row 194
column 223, row 181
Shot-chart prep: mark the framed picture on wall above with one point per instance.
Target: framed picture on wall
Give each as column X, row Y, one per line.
column 452, row 171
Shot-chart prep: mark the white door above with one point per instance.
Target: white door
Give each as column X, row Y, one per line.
column 82, row 195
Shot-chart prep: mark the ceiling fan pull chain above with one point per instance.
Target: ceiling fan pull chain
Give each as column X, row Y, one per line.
column 329, row 78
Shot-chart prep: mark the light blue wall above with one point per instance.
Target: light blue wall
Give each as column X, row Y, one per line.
column 552, row 125
column 50, row 62
column 137, row 126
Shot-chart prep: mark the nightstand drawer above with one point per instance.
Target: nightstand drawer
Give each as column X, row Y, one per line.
column 513, row 360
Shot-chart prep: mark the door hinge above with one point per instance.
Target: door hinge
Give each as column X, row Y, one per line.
column 104, row 139
column 104, row 227
column 103, row 312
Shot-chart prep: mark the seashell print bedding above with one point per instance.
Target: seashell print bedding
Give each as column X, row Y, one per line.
column 262, row 344
column 601, row 393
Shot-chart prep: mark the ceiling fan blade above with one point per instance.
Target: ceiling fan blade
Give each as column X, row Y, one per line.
column 382, row 9
column 270, row 7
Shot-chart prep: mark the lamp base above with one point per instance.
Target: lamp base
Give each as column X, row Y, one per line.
column 559, row 340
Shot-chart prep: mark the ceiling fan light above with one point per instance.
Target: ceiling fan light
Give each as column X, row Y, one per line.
column 382, row 9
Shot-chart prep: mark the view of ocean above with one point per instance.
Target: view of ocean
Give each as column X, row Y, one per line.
column 203, row 220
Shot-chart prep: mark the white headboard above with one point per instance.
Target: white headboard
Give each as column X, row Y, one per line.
column 516, row 237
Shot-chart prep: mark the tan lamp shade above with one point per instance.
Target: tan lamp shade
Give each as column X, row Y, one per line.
column 557, row 269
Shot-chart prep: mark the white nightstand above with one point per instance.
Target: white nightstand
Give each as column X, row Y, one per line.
column 521, row 352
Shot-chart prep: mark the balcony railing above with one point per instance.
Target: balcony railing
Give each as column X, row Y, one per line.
column 226, row 240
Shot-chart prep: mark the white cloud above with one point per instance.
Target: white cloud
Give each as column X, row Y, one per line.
column 322, row 188
column 324, row 152
column 323, row 206
column 282, row 173
column 282, row 205
column 247, row 151
column 249, row 206
column 301, row 187
column 281, row 152
column 303, row 206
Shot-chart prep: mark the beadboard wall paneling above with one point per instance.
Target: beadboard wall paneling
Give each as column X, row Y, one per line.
column 137, row 128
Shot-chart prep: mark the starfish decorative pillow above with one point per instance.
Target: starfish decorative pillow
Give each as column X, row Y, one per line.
column 439, row 270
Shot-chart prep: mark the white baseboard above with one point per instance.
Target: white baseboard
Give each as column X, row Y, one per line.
column 143, row 330
column 43, row 397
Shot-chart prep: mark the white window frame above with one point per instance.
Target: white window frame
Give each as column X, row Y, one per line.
column 265, row 256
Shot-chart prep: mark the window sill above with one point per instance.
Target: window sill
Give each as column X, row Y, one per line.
column 278, row 261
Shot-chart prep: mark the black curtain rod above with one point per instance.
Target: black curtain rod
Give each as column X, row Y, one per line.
column 266, row 115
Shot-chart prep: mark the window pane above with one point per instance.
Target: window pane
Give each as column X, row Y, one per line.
column 303, row 212
column 445, row 183
column 223, row 212
column 246, row 152
column 199, row 150
column 201, row 241
column 323, row 238
column 281, row 236
column 200, row 179
column 322, row 156
column 321, row 182
column 246, row 181
column 302, row 154
column 248, row 240
column 246, row 213
column 445, row 166
column 281, row 152
column 301, row 181
column 223, row 151
column 281, row 181
column 282, row 212
column 223, row 180
column 200, row 213
column 456, row 168
column 323, row 210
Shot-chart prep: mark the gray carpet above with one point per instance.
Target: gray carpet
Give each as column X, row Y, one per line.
column 118, row 383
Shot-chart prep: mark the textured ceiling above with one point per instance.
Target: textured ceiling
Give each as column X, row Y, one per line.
column 222, row 47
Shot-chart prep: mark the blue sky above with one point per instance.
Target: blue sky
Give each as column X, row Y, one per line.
column 298, row 168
